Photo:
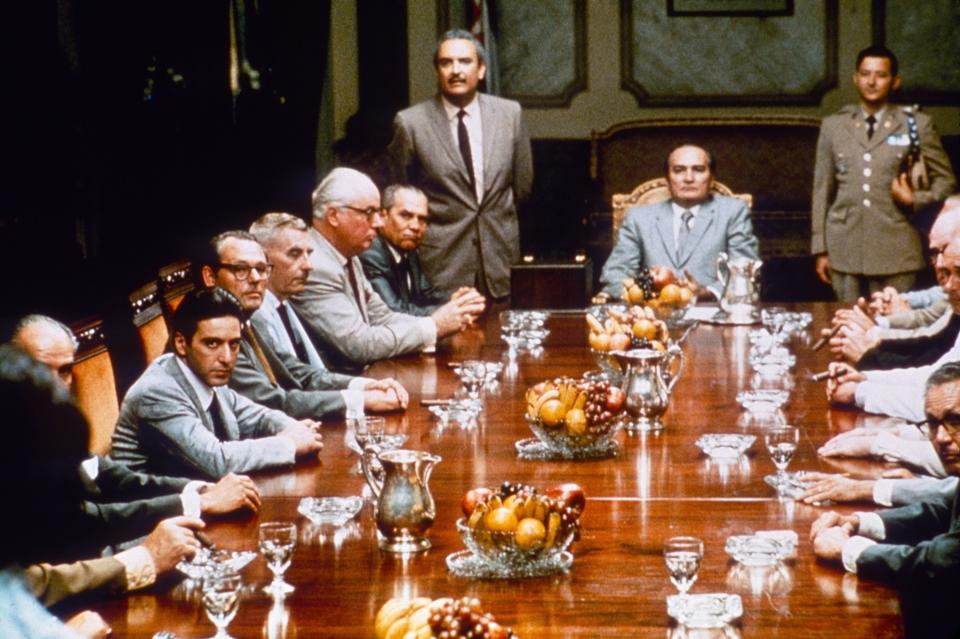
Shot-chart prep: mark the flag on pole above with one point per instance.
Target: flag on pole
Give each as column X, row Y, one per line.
column 480, row 27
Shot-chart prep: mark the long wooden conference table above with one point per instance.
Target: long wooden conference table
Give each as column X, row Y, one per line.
column 660, row 485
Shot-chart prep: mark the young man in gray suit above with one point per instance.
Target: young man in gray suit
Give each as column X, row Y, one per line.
column 179, row 418
column 916, row 547
column 266, row 372
column 343, row 313
column 470, row 153
column 686, row 232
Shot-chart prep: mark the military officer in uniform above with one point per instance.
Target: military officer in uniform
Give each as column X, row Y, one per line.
column 862, row 202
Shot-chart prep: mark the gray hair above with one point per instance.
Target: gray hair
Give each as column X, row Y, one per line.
column 390, row 194
column 339, row 187
column 36, row 319
column 946, row 374
column 266, row 227
column 460, row 34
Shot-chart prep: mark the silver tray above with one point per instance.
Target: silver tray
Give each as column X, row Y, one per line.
column 533, row 448
column 466, row 564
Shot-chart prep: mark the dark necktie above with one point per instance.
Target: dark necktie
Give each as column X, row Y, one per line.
column 685, row 218
column 871, row 126
column 298, row 346
column 463, row 139
column 405, row 276
column 356, row 287
column 216, row 417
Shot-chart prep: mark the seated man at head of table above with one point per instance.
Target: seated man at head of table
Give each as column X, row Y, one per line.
column 342, row 311
column 917, row 547
column 180, row 418
column 121, row 504
column 392, row 263
column 872, row 337
column 267, row 373
column 686, row 232
column 899, row 392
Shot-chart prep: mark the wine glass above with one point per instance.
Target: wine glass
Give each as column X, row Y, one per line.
column 473, row 374
column 365, row 431
column 221, row 599
column 782, row 443
column 277, row 541
column 683, row 556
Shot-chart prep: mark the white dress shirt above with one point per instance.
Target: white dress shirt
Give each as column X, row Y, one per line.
column 678, row 220
column 475, row 131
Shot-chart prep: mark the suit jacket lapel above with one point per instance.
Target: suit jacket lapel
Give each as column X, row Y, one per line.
column 444, row 137
column 664, row 223
column 701, row 223
column 173, row 369
column 229, row 418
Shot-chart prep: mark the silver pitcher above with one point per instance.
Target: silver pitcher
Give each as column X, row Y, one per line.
column 649, row 379
column 740, row 278
column 404, row 509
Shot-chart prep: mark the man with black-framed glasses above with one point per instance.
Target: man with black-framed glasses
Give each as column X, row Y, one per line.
column 916, row 547
column 344, row 314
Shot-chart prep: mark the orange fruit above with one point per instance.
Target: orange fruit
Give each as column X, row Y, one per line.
column 551, row 413
column 686, row 295
column 670, row 295
column 501, row 520
column 530, row 533
column 619, row 342
column 600, row 341
column 644, row 329
column 635, row 294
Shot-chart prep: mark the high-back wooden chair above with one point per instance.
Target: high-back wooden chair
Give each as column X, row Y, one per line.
column 175, row 280
column 94, row 384
column 147, row 308
column 656, row 191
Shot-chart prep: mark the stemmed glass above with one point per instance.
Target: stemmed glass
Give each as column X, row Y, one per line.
column 473, row 375
column 782, row 443
column 683, row 556
column 277, row 541
column 366, row 431
column 221, row 599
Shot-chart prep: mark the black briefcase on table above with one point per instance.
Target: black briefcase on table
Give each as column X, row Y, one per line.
column 551, row 284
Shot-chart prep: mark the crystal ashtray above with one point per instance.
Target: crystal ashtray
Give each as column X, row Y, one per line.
column 457, row 411
column 762, row 400
column 788, row 485
column 722, row 446
column 762, row 549
column 713, row 610
column 330, row 510
column 208, row 561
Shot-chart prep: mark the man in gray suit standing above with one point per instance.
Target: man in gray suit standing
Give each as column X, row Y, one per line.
column 470, row 153
column 179, row 418
column 686, row 232
column 346, row 317
column 916, row 547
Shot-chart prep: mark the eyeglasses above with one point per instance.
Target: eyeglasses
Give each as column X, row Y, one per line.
column 950, row 423
column 242, row 271
column 369, row 212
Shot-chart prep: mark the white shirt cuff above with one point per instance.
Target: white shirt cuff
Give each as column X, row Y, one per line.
column 190, row 498
column 354, row 401
column 883, row 492
column 139, row 567
column 852, row 550
column 91, row 467
column 882, row 321
column 871, row 526
column 429, row 328
column 359, row 383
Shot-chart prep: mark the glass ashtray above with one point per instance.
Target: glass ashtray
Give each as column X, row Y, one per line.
column 457, row 411
column 762, row 549
column 330, row 510
column 713, row 610
column 722, row 446
column 208, row 561
column 766, row 400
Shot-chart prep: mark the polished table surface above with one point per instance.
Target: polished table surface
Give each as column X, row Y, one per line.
column 659, row 485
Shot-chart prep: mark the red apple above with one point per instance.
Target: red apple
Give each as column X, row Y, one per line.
column 613, row 402
column 472, row 498
column 570, row 495
column 662, row 275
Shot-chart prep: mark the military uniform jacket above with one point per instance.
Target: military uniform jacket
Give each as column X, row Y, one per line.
column 855, row 219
